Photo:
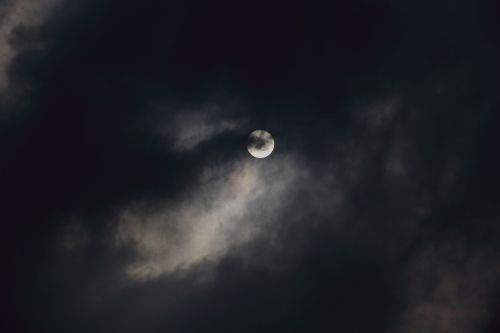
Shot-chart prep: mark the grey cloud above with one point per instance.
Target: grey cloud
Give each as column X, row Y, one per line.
column 450, row 288
column 373, row 167
column 19, row 14
column 229, row 206
column 74, row 235
column 380, row 114
column 194, row 125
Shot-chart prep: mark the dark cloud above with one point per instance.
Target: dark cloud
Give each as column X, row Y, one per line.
column 129, row 202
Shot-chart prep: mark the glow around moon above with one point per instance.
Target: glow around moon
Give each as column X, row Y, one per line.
column 260, row 144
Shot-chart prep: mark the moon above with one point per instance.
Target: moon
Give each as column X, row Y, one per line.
column 260, row 144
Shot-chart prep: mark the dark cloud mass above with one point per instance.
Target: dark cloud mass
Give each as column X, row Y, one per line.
column 130, row 204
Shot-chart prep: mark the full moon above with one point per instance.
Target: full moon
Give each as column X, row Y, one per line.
column 260, row 144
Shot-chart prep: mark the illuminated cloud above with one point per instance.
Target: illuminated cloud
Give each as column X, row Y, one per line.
column 192, row 127
column 229, row 206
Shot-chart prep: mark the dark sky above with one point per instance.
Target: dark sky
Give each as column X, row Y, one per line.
column 130, row 204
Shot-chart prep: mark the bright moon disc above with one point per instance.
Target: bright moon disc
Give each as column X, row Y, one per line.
column 260, row 144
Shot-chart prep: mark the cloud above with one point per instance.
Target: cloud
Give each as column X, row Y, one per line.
column 190, row 126
column 450, row 288
column 311, row 239
column 17, row 14
column 74, row 236
column 229, row 206
column 379, row 115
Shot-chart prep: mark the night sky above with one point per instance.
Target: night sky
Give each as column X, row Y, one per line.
column 129, row 201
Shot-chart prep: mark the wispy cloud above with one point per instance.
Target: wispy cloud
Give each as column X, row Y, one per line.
column 230, row 205
column 191, row 127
